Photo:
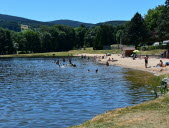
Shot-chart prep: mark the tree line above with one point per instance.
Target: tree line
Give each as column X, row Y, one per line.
column 154, row 26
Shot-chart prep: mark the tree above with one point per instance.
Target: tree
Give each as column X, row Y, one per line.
column 152, row 17
column 167, row 3
column 6, row 45
column 63, row 37
column 19, row 38
column 79, row 36
column 98, row 43
column 32, row 41
column 119, row 36
column 46, row 41
column 151, row 21
column 163, row 23
column 104, row 36
column 66, row 37
column 54, row 38
column 136, row 31
column 44, row 28
column 89, row 37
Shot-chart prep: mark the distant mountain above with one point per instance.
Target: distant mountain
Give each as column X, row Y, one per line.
column 114, row 23
column 13, row 22
column 21, row 20
column 77, row 23
column 71, row 23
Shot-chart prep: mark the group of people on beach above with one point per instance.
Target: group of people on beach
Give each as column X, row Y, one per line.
column 99, row 58
column 146, row 58
column 160, row 64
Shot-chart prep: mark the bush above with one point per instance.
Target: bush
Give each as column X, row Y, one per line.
column 22, row 52
column 147, row 48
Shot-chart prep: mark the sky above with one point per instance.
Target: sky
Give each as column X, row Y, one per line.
column 88, row 11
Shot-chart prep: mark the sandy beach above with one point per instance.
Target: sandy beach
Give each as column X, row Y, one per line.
column 138, row 63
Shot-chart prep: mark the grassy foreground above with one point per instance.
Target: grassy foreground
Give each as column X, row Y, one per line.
column 152, row 114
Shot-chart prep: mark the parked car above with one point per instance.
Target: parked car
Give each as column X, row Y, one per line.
column 165, row 42
column 156, row 44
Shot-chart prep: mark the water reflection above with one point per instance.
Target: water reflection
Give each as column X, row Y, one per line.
column 35, row 92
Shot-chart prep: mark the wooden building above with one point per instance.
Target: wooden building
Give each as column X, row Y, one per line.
column 128, row 51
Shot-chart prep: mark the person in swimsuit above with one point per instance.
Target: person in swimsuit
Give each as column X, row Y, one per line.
column 160, row 64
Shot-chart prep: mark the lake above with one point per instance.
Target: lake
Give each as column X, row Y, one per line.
column 35, row 92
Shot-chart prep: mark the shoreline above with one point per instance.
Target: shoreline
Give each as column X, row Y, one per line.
column 128, row 62
column 144, row 114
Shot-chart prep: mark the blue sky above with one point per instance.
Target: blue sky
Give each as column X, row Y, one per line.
column 89, row 11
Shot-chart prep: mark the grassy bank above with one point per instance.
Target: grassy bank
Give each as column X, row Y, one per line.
column 152, row 114
column 75, row 52
column 153, row 52
column 67, row 53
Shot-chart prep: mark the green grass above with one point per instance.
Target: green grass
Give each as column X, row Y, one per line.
column 67, row 53
column 152, row 52
column 75, row 52
column 152, row 114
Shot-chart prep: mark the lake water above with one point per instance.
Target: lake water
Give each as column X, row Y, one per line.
column 35, row 92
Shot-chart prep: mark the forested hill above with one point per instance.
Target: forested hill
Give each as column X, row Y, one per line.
column 71, row 23
column 77, row 23
column 13, row 22
column 114, row 23
column 21, row 20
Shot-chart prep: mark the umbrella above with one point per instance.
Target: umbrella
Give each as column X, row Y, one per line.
column 136, row 51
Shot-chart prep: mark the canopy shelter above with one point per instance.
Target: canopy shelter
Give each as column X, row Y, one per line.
column 136, row 51
column 128, row 51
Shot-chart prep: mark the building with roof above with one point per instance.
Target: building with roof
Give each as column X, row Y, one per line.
column 128, row 51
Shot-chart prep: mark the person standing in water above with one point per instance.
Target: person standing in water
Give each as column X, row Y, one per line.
column 70, row 60
column 64, row 60
column 57, row 62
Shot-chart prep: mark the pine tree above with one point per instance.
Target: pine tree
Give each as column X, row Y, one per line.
column 136, row 31
column 167, row 3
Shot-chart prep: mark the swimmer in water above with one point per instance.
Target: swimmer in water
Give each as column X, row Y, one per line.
column 107, row 63
column 96, row 70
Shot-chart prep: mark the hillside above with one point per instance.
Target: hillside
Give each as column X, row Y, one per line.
column 20, row 20
column 13, row 22
column 114, row 23
column 77, row 23
column 71, row 23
